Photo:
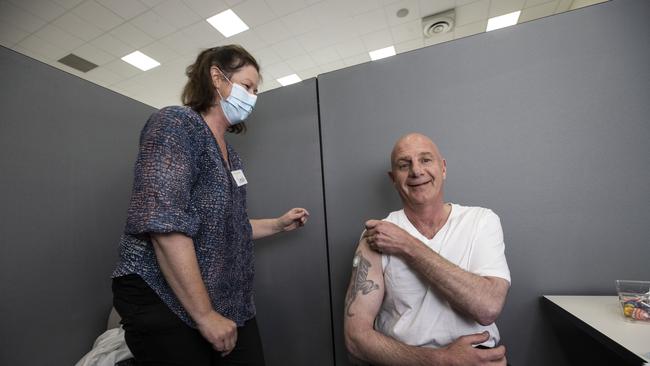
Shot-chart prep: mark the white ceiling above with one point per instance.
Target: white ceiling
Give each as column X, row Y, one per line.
column 306, row 37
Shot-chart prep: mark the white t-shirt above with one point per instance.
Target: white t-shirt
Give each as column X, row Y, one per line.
column 411, row 311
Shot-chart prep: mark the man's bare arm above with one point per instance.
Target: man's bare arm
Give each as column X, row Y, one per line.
column 481, row 298
column 362, row 302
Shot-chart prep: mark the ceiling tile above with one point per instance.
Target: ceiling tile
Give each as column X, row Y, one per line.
column 301, row 21
column 176, row 13
column 531, row 3
column 10, row 35
column 412, row 6
column 103, row 76
column 131, row 35
column 98, row 15
column 409, row 45
column 122, row 68
column 203, row 35
column 351, row 47
column 273, row 32
column 126, row 9
column 23, row 20
column 249, row 40
column 357, row 7
column 151, row 3
column 316, row 39
column 309, row 73
column 153, row 24
column 327, row 13
column 563, row 5
column 180, row 43
column 470, row 29
column 72, row 24
column 473, row 12
column 302, row 62
column 160, row 52
column 234, row 2
column 371, row 21
column 45, row 10
column 112, row 45
column 284, row 7
column 325, row 55
column 336, row 65
column 254, row 12
column 207, row 8
column 377, row 40
column 279, row 70
column 539, row 11
column 429, row 7
column 59, row 38
column 356, row 60
column 407, row 31
column 44, row 49
column 68, row 4
column 501, row 7
column 266, row 56
column 93, row 54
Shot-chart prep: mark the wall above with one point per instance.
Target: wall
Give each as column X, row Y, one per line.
column 546, row 123
column 67, row 153
column 281, row 153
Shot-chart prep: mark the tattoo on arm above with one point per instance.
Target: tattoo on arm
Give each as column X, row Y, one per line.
column 360, row 268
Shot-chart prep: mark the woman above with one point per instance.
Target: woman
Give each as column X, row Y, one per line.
column 184, row 280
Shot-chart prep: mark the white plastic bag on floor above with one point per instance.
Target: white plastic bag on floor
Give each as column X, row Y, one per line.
column 109, row 349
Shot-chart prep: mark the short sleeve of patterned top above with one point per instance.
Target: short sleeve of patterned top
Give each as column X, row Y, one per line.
column 182, row 184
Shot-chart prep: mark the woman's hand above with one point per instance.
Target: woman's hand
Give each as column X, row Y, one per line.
column 292, row 219
column 219, row 331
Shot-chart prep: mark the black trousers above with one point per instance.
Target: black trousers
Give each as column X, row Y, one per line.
column 156, row 336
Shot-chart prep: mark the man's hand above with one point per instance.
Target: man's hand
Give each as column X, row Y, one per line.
column 219, row 331
column 292, row 219
column 461, row 352
column 386, row 237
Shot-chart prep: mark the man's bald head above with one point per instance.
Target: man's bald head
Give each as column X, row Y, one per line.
column 413, row 139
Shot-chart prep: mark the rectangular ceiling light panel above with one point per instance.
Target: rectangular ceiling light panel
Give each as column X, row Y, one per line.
column 289, row 79
column 382, row 53
column 228, row 23
column 503, row 21
column 140, row 60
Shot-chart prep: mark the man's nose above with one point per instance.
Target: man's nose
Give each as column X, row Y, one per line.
column 416, row 169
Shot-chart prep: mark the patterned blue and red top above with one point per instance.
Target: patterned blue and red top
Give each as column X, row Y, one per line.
column 182, row 184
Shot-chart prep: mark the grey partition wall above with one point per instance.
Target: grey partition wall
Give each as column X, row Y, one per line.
column 67, row 148
column 281, row 153
column 546, row 123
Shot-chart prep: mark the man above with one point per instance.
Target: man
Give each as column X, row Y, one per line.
column 428, row 281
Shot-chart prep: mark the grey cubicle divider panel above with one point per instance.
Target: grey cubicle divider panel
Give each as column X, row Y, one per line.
column 546, row 123
column 67, row 149
column 281, row 153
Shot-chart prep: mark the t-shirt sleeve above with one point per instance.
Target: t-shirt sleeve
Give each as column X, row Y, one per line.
column 488, row 254
column 163, row 178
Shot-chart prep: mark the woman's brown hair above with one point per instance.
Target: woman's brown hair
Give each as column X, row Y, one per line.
column 199, row 92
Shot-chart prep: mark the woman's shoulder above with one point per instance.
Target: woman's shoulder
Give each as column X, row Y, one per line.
column 179, row 119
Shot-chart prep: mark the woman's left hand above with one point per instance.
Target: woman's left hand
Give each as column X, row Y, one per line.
column 292, row 219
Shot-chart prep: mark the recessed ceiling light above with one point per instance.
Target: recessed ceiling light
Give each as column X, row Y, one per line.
column 382, row 53
column 402, row 13
column 228, row 23
column 503, row 21
column 289, row 79
column 140, row 60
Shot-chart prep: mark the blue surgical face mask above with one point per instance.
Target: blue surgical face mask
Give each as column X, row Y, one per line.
column 239, row 104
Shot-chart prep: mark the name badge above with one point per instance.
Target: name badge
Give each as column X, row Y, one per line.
column 239, row 177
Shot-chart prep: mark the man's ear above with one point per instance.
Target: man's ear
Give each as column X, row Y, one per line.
column 444, row 169
column 391, row 176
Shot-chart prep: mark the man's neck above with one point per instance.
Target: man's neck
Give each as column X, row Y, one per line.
column 428, row 219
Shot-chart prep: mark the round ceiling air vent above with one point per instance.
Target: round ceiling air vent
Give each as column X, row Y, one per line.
column 437, row 24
